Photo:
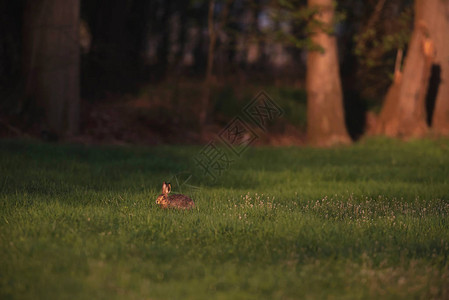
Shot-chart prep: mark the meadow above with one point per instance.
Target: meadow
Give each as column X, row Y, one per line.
column 365, row 221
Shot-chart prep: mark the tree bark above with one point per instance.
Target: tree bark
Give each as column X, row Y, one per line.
column 325, row 115
column 390, row 105
column 440, row 121
column 404, row 111
column 210, row 64
column 51, row 61
column 213, row 30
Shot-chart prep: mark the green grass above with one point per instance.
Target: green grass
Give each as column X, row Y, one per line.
column 365, row 221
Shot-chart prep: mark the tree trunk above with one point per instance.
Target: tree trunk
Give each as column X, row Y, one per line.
column 440, row 121
column 325, row 115
column 210, row 64
column 404, row 111
column 213, row 30
column 51, row 61
column 390, row 105
column 164, row 45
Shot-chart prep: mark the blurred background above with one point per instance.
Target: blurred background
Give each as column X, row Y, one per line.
column 154, row 71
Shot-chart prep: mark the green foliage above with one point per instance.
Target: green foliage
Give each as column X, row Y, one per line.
column 376, row 43
column 181, row 101
column 302, row 23
column 293, row 101
column 366, row 221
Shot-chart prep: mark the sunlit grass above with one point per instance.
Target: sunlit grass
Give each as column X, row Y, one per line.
column 365, row 221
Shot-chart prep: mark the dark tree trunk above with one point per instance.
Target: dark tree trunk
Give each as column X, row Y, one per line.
column 164, row 45
column 213, row 30
column 325, row 115
column 51, row 61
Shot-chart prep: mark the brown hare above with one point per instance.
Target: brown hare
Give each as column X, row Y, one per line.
column 173, row 201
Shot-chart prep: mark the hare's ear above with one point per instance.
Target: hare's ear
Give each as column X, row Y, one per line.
column 165, row 188
column 169, row 187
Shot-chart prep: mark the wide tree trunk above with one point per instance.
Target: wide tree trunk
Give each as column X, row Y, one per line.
column 51, row 61
column 325, row 115
column 440, row 121
column 387, row 122
column 404, row 111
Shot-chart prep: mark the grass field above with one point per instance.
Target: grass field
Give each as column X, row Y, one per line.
column 365, row 221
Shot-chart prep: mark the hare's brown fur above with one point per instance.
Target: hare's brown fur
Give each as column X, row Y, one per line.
column 173, row 201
